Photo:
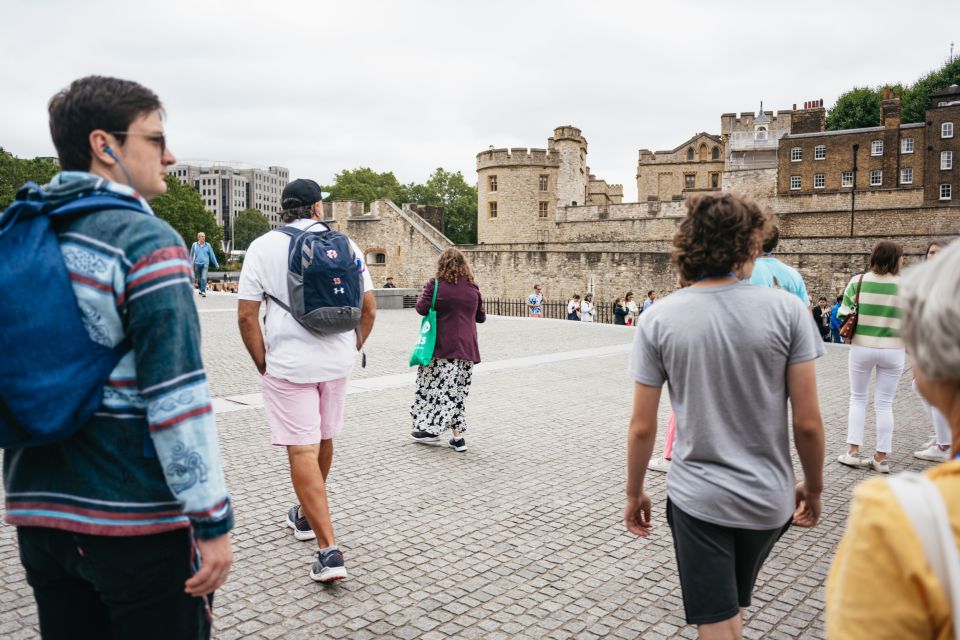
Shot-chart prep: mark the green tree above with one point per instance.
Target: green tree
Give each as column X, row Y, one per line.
column 249, row 225
column 367, row 185
column 916, row 97
column 458, row 199
column 859, row 107
column 182, row 207
column 14, row 172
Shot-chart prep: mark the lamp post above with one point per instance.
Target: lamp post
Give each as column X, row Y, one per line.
column 853, row 189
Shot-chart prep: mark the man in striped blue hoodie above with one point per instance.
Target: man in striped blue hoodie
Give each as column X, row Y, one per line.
column 123, row 527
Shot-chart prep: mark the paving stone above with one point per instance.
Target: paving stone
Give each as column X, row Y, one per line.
column 512, row 538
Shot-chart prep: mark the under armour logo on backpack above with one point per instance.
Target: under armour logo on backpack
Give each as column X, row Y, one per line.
column 332, row 254
column 338, row 289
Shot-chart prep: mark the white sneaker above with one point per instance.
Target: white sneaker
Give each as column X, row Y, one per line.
column 931, row 442
column 857, row 460
column 659, row 464
column 933, row 453
column 882, row 466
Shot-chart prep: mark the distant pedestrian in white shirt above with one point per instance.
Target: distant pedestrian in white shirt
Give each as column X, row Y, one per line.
column 587, row 308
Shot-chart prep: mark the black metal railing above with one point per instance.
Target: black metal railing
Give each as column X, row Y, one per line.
column 602, row 311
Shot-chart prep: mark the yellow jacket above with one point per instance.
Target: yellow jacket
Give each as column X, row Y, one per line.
column 880, row 585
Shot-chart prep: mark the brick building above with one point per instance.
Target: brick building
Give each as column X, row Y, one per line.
column 694, row 166
column 913, row 163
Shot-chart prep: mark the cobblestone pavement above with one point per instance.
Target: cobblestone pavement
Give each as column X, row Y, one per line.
column 519, row 537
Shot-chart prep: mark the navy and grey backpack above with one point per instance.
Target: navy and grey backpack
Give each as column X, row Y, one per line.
column 324, row 280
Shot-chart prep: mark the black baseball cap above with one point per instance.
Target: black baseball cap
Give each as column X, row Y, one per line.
column 302, row 192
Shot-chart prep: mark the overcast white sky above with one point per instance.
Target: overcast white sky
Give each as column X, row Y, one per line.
column 410, row 86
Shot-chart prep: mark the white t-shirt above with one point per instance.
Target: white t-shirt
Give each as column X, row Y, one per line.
column 293, row 353
column 586, row 311
column 572, row 306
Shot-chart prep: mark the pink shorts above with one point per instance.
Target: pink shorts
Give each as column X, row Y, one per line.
column 303, row 413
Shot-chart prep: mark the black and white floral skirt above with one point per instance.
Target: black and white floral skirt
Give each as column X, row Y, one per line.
column 442, row 389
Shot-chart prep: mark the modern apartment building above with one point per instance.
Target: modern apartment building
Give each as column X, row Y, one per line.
column 227, row 189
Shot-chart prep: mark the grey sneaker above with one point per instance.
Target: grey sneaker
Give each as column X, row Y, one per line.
column 858, row 460
column 882, row 466
column 328, row 566
column 298, row 522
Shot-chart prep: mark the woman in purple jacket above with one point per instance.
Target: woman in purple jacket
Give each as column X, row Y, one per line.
column 443, row 386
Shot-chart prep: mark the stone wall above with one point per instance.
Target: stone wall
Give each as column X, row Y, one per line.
column 409, row 245
column 759, row 185
column 827, row 263
column 517, row 200
column 662, row 175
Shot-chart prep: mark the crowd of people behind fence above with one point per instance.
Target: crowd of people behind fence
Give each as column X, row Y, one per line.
column 122, row 511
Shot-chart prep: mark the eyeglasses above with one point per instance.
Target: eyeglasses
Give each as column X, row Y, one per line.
column 158, row 138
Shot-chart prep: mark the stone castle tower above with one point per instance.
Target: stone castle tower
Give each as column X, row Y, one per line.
column 520, row 189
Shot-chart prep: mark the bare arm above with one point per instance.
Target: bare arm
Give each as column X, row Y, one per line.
column 368, row 313
column 808, row 438
column 248, row 317
column 640, row 440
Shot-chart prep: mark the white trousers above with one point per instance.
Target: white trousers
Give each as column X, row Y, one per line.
column 941, row 428
column 889, row 366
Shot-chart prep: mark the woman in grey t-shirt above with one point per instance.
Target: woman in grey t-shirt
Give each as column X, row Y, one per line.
column 730, row 491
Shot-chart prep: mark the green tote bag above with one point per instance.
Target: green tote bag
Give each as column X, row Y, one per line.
column 427, row 338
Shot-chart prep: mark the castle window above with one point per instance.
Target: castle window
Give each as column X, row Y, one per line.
column 876, row 148
column 820, row 152
column 876, row 178
column 544, row 209
column 906, row 145
column 946, row 131
column 492, row 209
column 492, row 180
column 714, row 180
column 761, row 133
column 819, row 181
column 715, row 154
column 690, row 153
column 544, row 182
column 906, row 176
column 376, row 256
column 946, row 191
column 796, row 154
column 846, row 179
column 689, row 180
column 794, row 183
column 946, row 160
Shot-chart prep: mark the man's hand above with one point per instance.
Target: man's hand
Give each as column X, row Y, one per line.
column 215, row 561
column 637, row 515
column 807, row 513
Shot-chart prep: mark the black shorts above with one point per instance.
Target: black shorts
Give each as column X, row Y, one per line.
column 718, row 565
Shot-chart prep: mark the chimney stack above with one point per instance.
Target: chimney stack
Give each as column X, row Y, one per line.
column 890, row 109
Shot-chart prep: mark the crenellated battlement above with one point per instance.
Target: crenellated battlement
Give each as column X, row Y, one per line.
column 517, row 157
column 730, row 122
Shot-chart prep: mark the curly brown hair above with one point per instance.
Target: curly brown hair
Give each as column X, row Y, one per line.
column 452, row 265
column 719, row 234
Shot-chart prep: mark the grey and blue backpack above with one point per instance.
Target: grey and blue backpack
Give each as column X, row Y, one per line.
column 324, row 280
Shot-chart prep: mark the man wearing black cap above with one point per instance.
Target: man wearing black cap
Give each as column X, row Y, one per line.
column 303, row 375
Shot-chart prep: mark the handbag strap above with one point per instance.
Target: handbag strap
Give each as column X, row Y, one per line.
column 436, row 285
column 924, row 507
column 856, row 298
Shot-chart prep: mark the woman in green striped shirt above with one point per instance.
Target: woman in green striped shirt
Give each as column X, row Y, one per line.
column 876, row 345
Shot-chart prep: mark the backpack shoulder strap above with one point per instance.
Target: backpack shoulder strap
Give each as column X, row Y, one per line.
column 924, row 507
